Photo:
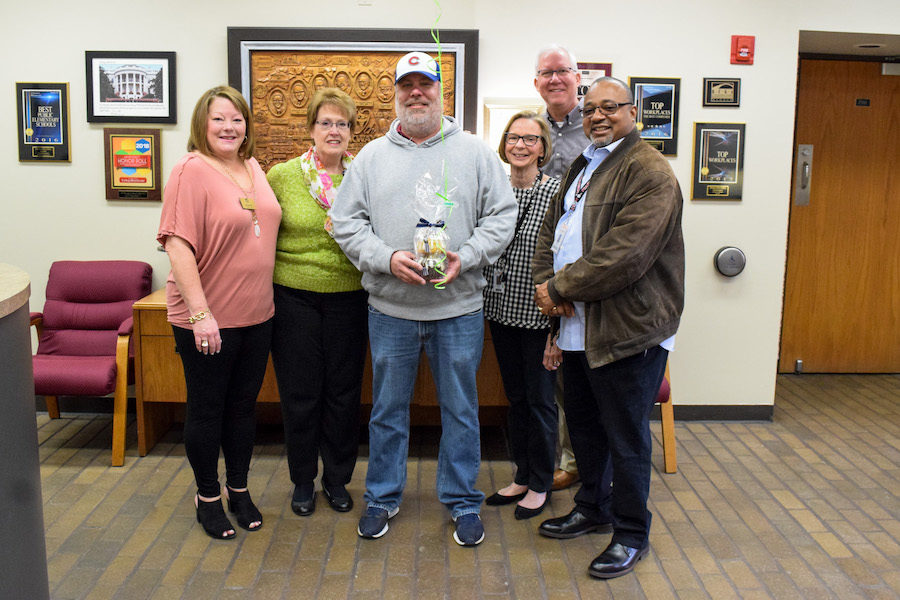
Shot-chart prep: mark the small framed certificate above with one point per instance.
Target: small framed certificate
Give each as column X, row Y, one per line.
column 43, row 121
column 721, row 92
column 656, row 100
column 718, row 172
column 132, row 164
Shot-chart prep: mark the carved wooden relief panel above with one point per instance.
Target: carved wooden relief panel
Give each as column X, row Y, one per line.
column 283, row 81
column 278, row 69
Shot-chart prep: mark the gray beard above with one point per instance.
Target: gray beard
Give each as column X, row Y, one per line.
column 419, row 125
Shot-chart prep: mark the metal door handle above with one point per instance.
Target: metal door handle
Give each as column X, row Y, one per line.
column 802, row 174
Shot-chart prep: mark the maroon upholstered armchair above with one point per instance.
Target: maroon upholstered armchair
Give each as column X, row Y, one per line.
column 84, row 334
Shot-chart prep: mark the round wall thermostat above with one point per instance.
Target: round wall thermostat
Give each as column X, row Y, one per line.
column 729, row 261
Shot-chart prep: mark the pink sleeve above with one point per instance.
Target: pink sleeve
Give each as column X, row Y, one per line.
column 184, row 204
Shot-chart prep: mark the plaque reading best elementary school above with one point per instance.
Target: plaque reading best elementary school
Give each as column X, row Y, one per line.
column 43, row 121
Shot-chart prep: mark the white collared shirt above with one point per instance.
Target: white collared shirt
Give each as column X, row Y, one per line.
column 567, row 248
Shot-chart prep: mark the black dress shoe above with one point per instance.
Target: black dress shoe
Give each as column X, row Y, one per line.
column 338, row 498
column 523, row 512
column 499, row 499
column 572, row 525
column 303, row 502
column 616, row 560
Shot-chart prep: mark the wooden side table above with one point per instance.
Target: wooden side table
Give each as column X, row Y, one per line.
column 159, row 379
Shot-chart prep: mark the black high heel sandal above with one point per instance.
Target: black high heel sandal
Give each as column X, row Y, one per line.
column 211, row 517
column 243, row 509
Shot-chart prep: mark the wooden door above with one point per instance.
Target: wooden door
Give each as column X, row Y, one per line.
column 842, row 286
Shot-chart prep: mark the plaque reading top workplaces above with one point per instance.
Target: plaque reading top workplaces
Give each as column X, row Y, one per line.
column 656, row 101
column 43, row 121
column 718, row 172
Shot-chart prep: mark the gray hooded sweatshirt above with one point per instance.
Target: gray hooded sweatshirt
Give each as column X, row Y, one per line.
column 374, row 216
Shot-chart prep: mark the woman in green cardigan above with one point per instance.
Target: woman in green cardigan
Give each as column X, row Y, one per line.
column 319, row 339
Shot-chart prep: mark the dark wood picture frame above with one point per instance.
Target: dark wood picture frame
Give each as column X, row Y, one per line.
column 132, row 149
column 153, row 106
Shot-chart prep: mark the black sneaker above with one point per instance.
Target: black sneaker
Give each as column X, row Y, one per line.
column 374, row 522
column 469, row 530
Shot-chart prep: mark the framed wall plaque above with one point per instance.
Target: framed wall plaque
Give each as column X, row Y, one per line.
column 721, row 92
column 718, row 171
column 590, row 71
column 133, row 160
column 656, row 100
column 42, row 111
column 278, row 69
column 130, row 87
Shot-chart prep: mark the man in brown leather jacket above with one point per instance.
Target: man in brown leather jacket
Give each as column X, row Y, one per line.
column 610, row 265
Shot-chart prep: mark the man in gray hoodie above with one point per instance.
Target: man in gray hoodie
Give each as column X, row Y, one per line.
column 376, row 217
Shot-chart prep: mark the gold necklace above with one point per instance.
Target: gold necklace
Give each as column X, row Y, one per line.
column 247, row 202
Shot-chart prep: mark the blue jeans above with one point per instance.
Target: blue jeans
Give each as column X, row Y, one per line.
column 453, row 347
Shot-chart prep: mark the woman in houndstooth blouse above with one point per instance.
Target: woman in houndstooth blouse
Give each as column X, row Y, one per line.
column 518, row 329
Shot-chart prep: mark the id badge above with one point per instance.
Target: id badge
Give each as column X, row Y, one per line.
column 498, row 280
column 560, row 236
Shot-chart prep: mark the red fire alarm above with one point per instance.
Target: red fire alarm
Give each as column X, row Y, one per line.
column 742, row 49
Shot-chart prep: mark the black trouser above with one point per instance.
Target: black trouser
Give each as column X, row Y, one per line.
column 319, row 350
column 608, row 412
column 532, row 410
column 221, row 402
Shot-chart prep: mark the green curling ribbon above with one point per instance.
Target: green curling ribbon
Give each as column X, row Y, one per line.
column 436, row 36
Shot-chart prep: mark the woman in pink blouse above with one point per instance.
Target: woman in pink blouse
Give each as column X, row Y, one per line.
column 219, row 224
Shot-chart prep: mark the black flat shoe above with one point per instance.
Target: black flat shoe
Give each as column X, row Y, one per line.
column 572, row 525
column 303, row 504
column 499, row 499
column 338, row 498
column 241, row 506
column 616, row 560
column 523, row 512
column 211, row 517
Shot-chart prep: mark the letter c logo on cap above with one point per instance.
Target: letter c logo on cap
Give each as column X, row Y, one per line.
column 413, row 60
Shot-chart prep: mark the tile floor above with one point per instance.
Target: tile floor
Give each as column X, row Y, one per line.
column 807, row 506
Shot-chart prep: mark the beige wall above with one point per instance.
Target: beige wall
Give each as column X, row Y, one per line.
column 727, row 347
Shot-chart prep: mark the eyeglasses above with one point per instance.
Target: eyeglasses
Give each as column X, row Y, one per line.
column 607, row 108
column 530, row 140
column 549, row 73
column 341, row 125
